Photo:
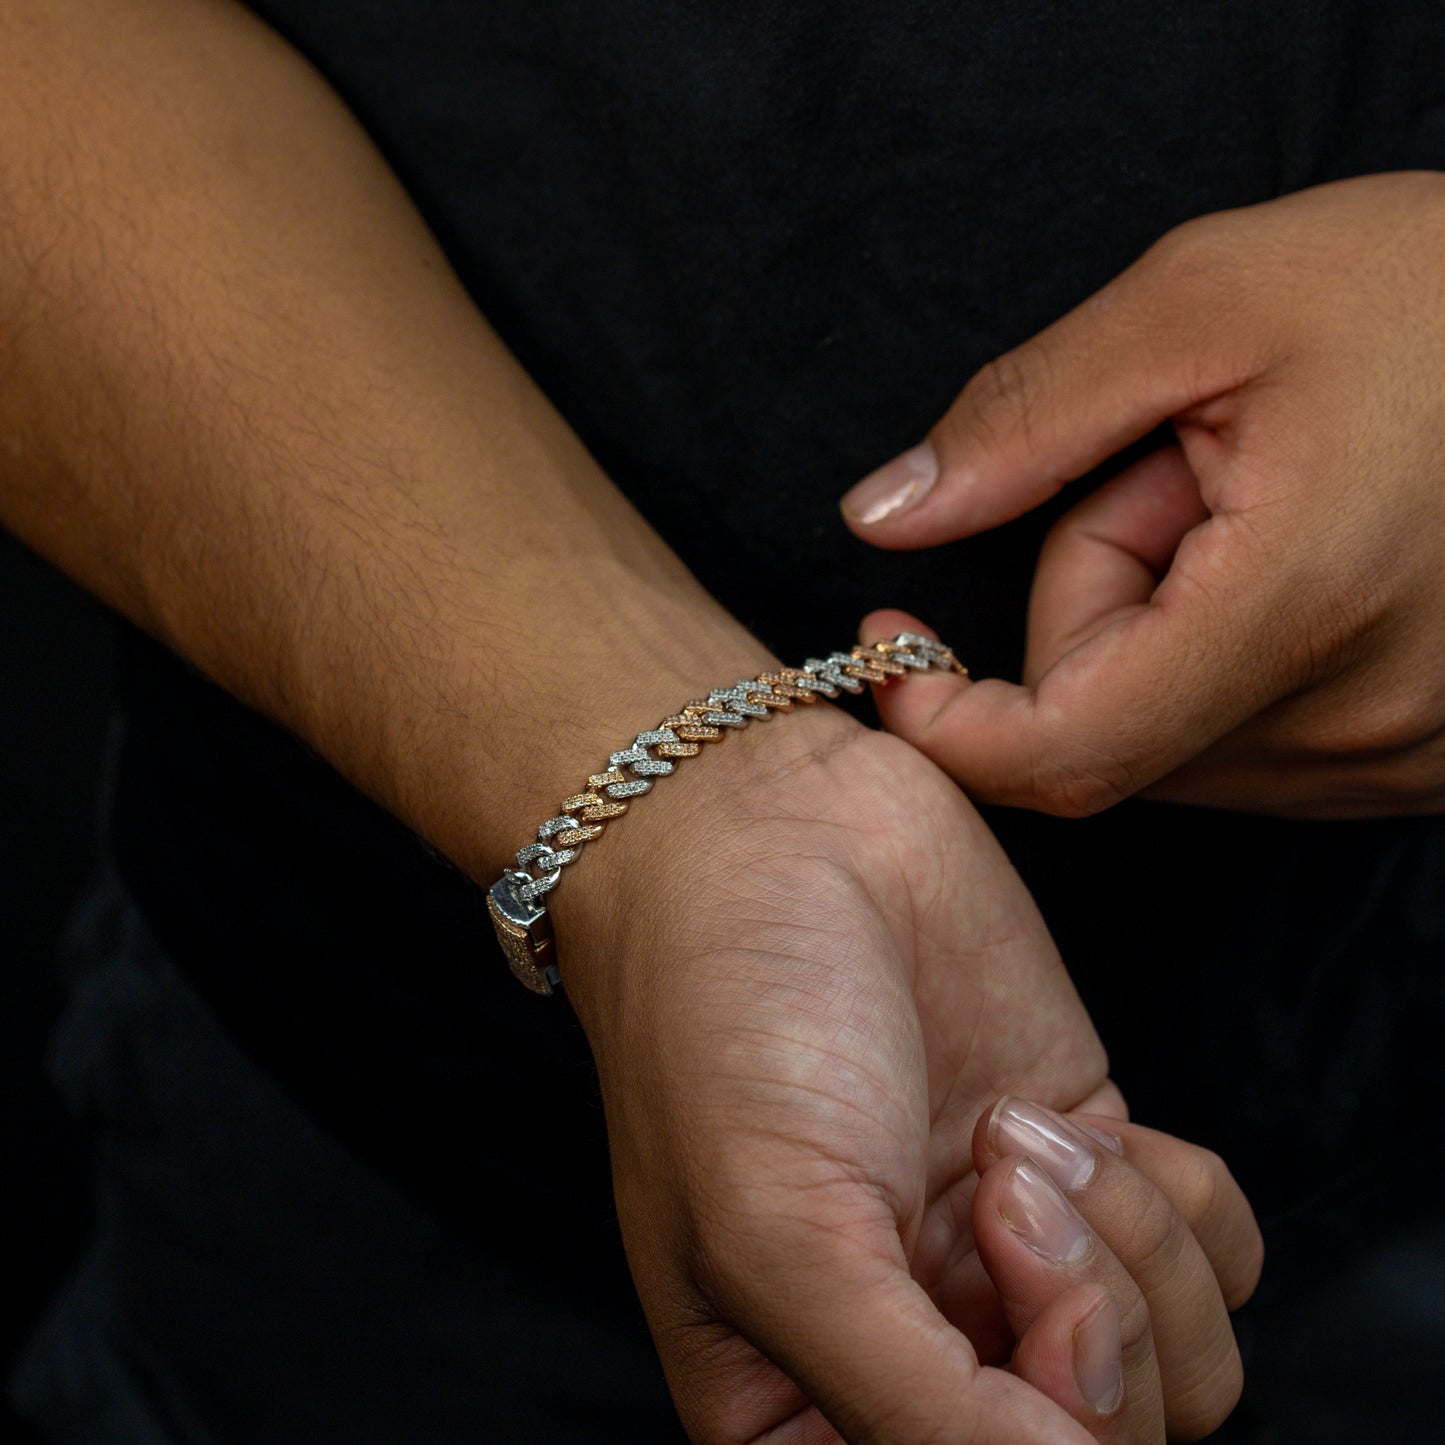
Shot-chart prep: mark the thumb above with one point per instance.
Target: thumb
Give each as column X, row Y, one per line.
column 1131, row 702
column 1153, row 344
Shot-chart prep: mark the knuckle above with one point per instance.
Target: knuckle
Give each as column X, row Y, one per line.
column 1212, row 1401
column 1410, row 721
column 1083, row 788
column 1136, row 1327
column 1331, row 625
column 1200, row 1186
column 1193, row 255
column 1158, row 1247
column 1006, row 396
column 1208, row 1198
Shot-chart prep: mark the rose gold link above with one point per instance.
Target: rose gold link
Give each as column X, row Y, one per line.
column 579, row 800
column 606, row 780
column 872, row 658
column 691, row 732
column 676, row 750
column 602, row 812
column 783, row 682
column 574, row 837
column 769, row 699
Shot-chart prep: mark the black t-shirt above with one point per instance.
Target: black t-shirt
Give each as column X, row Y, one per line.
column 752, row 250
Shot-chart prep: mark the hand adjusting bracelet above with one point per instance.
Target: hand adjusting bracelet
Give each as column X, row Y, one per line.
column 516, row 900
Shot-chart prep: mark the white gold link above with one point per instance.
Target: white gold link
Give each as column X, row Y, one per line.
column 531, row 892
column 735, row 700
column 629, row 790
column 828, row 671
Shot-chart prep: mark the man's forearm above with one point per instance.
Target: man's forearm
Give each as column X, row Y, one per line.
column 244, row 399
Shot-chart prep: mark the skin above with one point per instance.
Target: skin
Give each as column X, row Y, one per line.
column 1278, row 566
column 244, row 400
column 1176, row 1335
column 850, row 980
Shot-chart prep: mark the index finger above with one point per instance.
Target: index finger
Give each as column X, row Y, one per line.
column 1131, row 703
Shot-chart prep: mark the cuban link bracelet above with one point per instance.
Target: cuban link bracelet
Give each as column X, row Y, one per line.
column 516, row 900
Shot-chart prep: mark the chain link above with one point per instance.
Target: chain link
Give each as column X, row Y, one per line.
column 517, row 900
column 584, row 816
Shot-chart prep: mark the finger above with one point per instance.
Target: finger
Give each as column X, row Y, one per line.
column 1148, row 691
column 1037, row 1248
column 1155, row 343
column 1107, row 1102
column 1104, row 559
column 865, row 1343
column 938, row 689
column 1073, row 1353
column 1135, row 1215
column 1204, row 1194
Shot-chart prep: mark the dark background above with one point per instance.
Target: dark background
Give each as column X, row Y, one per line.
column 1379, row 1320
column 57, row 683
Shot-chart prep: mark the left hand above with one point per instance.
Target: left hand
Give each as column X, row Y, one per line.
column 804, row 975
column 1253, row 618
column 1068, row 1208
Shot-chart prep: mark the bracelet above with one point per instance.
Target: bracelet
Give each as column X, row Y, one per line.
column 515, row 900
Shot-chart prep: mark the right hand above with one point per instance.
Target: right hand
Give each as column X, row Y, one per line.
column 1252, row 618
column 804, row 975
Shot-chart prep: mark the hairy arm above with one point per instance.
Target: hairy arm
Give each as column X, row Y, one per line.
column 244, row 399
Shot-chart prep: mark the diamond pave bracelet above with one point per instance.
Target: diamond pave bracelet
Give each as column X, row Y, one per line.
column 516, row 901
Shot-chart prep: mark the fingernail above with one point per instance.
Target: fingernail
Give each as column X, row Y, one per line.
column 1098, row 1357
column 1031, row 1205
column 1112, row 1142
column 1018, row 1127
column 894, row 487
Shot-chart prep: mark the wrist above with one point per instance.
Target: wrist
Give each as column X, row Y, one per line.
column 518, row 899
column 556, row 718
column 611, row 907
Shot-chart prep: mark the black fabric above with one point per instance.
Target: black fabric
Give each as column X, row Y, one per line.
column 755, row 250
column 250, row 1280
